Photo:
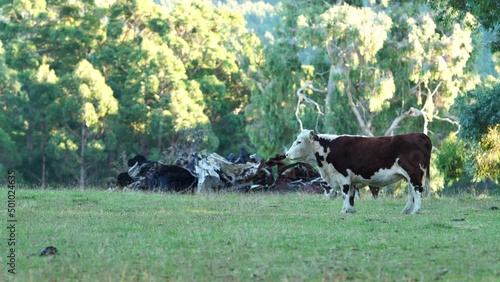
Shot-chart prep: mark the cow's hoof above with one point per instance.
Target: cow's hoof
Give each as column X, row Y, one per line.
column 350, row 210
column 416, row 212
column 405, row 211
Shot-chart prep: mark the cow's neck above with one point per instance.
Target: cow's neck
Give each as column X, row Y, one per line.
column 320, row 157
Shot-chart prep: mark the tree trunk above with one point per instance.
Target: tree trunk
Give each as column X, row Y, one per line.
column 365, row 128
column 330, row 89
column 160, row 129
column 44, row 154
column 43, row 170
column 29, row 131
column 82, row 154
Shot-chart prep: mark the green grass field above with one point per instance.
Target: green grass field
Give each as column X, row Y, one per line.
column 119, row 236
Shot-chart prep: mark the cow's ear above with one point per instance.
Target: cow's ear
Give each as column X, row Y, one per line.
column 312, row 135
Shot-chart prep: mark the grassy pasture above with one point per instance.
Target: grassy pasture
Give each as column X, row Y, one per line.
column 117, row 236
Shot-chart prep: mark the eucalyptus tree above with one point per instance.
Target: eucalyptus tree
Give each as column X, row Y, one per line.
column 86, row 102
column 387, row 62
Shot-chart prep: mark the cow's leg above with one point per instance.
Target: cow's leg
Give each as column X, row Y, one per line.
column 349, row 193
column 417, row 202
column 375, row 191
column 357, row 194
column 411, row 199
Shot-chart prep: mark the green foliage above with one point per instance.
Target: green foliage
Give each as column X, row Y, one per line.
column 187, row 108
column 479, row 114
column 486, row 163
column 271, row 121
column 438, row 178
column 484, row 12
column 81, row 83
column 383, row 60
column 9, row 87
column 8, row 80
column 451, row 159
column 9, row 157
column 430, row 67
column 87, row 98
column 84, row 82
column 87, row 102
column 438, row 61
column 477, row 111
column 261, row 16
column 222, row 59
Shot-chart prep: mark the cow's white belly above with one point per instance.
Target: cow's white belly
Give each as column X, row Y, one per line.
column 383, row 177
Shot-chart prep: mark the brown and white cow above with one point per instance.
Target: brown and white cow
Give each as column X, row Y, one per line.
column 355, row 161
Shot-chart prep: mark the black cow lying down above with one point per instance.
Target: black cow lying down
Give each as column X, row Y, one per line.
column 155, row 176
column 350, row 162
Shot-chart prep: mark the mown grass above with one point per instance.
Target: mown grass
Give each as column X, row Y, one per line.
column 117, row 236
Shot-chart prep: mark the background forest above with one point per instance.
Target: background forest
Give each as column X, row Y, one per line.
column 84, row 84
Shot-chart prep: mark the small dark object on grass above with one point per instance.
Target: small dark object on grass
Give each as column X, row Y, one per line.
column 441, row 272
column 494, row 208
column 49, row 251
column 458, row 219
column 375, row 220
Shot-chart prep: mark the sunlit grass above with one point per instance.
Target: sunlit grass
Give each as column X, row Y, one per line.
column 113, row 236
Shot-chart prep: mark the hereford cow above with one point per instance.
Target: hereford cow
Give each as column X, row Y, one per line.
column 355, row 161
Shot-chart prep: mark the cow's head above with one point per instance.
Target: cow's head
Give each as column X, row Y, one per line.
column 302, row 149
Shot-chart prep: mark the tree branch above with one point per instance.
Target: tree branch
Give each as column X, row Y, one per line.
column 430, row 95
column 412, row 112
column 261, row 88
column 450, row 119
column 355, row 110
column 303, row 98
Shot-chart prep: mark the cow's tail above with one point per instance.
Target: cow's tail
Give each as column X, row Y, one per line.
column 428, row 176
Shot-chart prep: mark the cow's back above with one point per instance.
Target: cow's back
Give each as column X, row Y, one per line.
column 366, row 155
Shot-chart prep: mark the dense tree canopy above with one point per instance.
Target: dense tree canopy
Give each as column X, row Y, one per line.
column 82, row 83
column 479, row 114
column 485, row 13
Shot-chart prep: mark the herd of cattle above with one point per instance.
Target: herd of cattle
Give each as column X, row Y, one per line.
column 345, row 163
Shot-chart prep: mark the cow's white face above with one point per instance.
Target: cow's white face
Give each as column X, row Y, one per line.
column 302, row 149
